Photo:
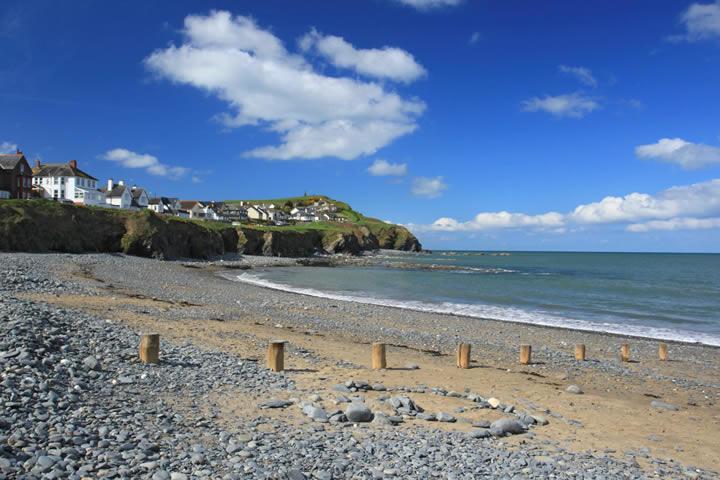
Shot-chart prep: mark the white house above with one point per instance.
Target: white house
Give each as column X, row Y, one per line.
column 303, row 215
column 193, row 208
column 117, row 194
column 65, row 181
column 165, row 205
column 257, row 213
column 156, row 205
column 140, row 198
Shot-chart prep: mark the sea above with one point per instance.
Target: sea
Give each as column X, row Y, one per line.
column 657, row 295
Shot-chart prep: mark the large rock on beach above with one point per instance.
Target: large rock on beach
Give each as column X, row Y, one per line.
column 506, row 426
column 358, row 413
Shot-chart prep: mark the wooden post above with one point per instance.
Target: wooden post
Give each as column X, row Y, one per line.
column 463, row 355
column 150, row 348
column 662, row 351
column 625, row 352
column 276, row 355
column 580, row 352
column 525, row 354
column 378, row 356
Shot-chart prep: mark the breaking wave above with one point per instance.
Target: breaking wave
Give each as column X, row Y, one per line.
column 491, row 312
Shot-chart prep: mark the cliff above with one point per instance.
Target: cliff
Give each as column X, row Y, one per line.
column 45, row 226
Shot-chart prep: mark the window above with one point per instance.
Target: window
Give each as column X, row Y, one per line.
column 62, row 180
column 56, row 180
column 55, row 194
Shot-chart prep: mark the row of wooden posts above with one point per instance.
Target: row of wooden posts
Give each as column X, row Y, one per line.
column 150, row 353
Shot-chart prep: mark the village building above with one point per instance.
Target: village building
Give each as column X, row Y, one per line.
column 258, row 213
column 117, row 194
column 15, row 176
column 303, row 214
column 234, row 213
column 66, row 182
column 140, row 198
column 193, row 208
column 198, row 210
column 164, row 205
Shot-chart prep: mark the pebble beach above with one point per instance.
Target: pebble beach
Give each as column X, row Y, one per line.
column 77, row 402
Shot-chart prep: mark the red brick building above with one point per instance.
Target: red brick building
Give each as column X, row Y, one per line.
column 15, row 176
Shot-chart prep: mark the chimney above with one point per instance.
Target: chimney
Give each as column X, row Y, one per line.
column 37, row 163
column 110, row 184
column 121, row 183
column 73, row 163
column 18, row 152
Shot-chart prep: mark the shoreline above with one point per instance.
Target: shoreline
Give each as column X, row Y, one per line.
column 437, row 310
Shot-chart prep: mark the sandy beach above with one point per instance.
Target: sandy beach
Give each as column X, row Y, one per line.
column 643, row 417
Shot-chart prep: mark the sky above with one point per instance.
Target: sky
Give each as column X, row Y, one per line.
column 479, row 124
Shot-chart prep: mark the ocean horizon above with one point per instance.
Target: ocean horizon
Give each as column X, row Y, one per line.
column 663, row 295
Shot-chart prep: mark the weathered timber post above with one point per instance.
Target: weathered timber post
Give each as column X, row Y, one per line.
column 625, row 352
column 580, row 352
column 662, row 351
column 378, row 356
column 276, row 355
column 150, row 348
column 525, row 354
column 463, row 355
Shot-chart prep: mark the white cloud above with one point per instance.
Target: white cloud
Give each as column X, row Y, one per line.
column 386, row 63
column 582, row 74
column 7, row 147
column 149, row 163
column 428, row 187
column 474, row 38
column 684, row 223
column 695, row 200
column 430, row 4
column 574, row 105
column 500, row 220
column 383, row 168
column 676, row 150
column 701, row 21
column 264, row 85
column 686, row 206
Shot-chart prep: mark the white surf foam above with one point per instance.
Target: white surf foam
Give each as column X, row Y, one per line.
column 490, row 312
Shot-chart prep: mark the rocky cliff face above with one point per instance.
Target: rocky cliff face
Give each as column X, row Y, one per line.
column 43, row 226
column 284, row 243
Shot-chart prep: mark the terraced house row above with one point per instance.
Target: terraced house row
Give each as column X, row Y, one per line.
column 64, row 182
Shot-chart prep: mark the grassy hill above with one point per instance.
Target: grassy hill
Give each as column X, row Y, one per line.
column 47, row 226
column 388, row 236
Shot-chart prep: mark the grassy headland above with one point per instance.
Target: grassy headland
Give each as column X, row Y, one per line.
column 47, row 226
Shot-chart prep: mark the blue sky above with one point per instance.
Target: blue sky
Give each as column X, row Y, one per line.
column 481, row 124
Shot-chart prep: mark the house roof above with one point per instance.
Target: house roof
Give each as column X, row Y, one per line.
column 137, row 192
column 117, row 191
column 188, row 204
column 9, row 162
column 60, row 170
column 154, row 201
